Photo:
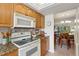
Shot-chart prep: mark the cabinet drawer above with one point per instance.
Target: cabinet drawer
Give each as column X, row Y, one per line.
column 13, row 53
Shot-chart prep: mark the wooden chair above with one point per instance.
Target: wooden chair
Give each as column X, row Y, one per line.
column 71, row 40
column 64, row 38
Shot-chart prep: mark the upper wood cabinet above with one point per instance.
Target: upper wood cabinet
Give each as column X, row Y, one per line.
column 7, row 10
column 6, row 14
column 40, row 21
column 29, row 12
column 21, row 8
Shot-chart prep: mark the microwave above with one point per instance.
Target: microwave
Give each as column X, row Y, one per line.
column 21, row 20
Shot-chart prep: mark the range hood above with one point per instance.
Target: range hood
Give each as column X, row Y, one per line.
column 22, row 21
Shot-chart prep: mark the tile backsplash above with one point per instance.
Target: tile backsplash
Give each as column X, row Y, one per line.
column 4, row 29
column 21, row 30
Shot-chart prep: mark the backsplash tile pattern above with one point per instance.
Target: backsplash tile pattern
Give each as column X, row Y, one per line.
column 21, row 30
column 4, row 29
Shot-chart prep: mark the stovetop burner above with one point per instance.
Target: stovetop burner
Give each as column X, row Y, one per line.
column 23, row 41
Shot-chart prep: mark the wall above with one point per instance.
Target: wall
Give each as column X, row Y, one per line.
column 49, row 29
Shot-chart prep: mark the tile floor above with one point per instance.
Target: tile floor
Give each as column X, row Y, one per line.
column 62, row 51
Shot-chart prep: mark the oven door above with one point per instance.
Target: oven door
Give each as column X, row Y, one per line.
column 30, row 50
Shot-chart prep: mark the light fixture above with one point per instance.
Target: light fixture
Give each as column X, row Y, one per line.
column 76, row 21
column 62, row 22
column 67, row 21
column 78, row 27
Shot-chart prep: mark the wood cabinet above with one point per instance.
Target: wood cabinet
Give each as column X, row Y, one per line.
column 39, row 21
column 13, row 53
column 42, row 21
column 21, row 8
column 7, row 10
column 44, row 44
column 6, row 14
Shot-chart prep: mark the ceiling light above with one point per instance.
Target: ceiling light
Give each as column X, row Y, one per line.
column 78, row 27
column 67, row 21
column 75, row 21
column 62, row 22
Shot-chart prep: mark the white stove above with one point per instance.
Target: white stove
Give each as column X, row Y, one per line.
column 27, row 46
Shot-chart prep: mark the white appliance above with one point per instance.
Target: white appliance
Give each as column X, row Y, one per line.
column 21, row 20
column 30, row 49
column 27, row 46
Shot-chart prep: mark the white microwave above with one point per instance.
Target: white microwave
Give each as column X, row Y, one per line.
column 21, row 20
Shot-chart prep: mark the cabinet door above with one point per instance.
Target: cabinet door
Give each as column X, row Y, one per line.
column 29, row 12
column 42, row 21
column 38, row 21
column 43, row 46
column 6, row 14
column 34, row 14
column 13, row 53
column 1, row 15
column 20, row 8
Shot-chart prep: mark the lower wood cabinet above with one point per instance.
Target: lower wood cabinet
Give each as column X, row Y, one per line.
column 13, row 53
column 44, row 44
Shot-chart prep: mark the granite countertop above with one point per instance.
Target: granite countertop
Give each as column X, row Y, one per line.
column 7, row 48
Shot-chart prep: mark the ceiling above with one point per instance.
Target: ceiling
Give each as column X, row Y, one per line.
column 39, row 6
column 69, row 15
column 65, row 14
column 48, row 8
column 61, row 11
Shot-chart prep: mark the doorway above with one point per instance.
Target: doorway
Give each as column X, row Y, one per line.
column 64, row 33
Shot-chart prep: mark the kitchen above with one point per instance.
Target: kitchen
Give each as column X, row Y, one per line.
column 27, row 29
column 20, row 29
